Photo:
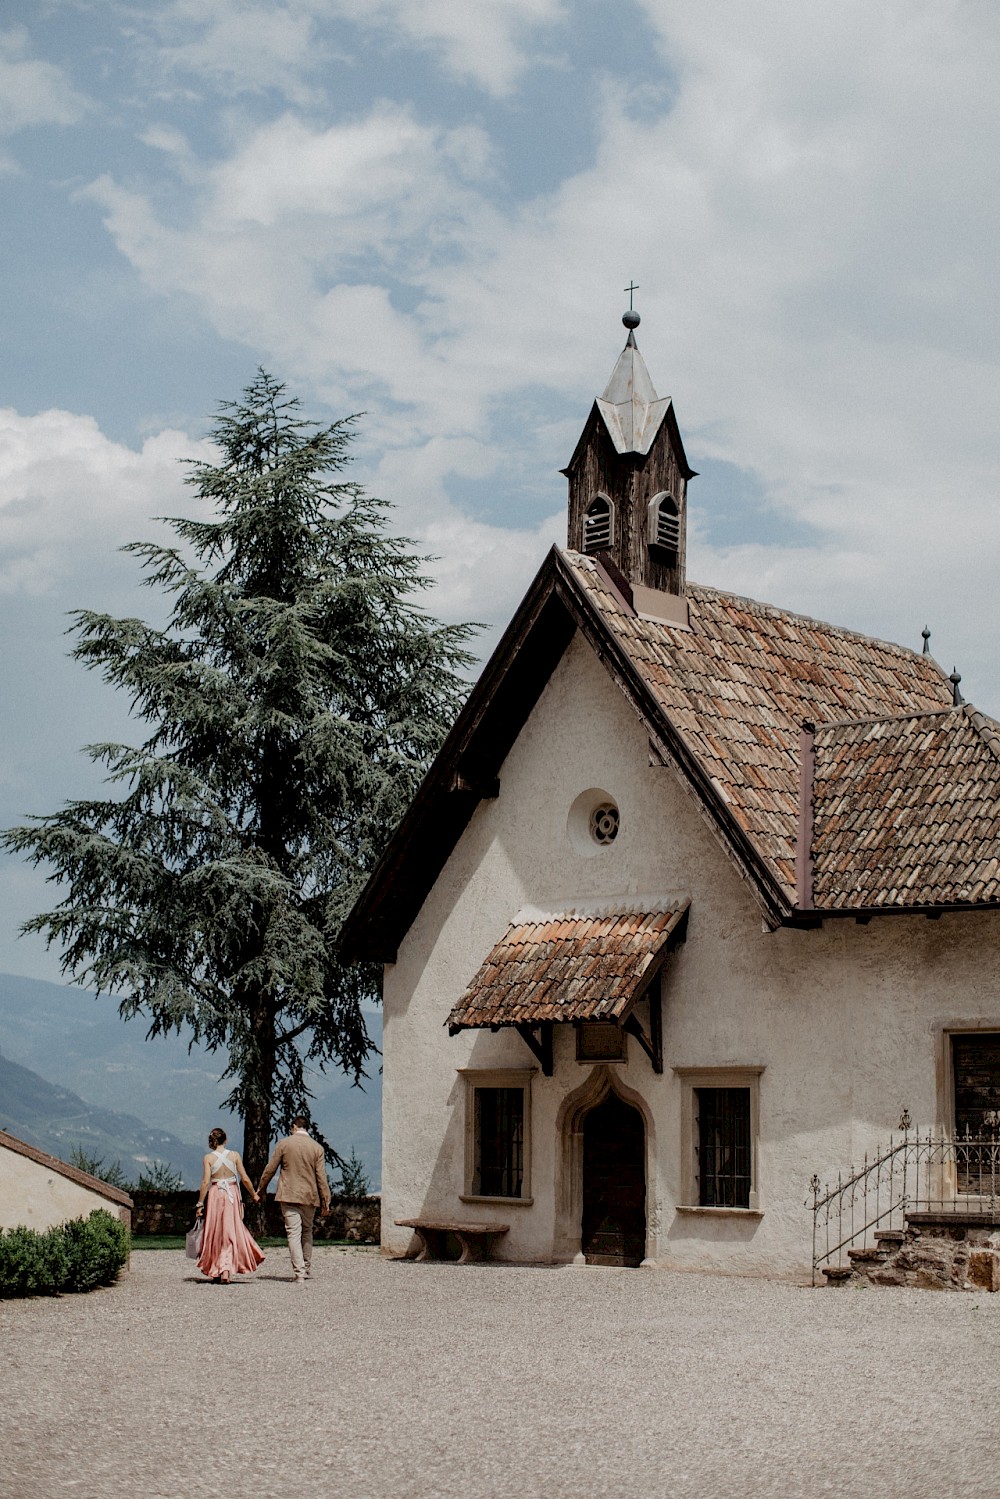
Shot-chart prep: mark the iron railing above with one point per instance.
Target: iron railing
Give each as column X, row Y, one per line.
column 920, row 1170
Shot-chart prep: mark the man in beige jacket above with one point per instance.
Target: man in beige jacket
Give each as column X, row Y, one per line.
column 302, row 1187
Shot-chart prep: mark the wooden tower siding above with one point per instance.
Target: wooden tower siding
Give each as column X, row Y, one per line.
column 630, row 480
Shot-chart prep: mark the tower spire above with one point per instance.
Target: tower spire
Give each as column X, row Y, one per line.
column 631, row 319
column 628, row 482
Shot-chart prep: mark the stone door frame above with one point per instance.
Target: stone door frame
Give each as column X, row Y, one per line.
column 595, row 1088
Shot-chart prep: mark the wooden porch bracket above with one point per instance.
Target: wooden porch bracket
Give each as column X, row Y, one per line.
column 540, row 1045
column 486, row 788
column 652, row 1044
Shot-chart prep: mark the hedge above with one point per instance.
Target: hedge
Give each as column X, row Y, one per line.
column 75, row 1256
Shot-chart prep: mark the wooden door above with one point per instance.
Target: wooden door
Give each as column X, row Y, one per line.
column 614, row 1184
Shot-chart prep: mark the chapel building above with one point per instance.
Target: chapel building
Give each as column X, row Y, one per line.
column 700, row 897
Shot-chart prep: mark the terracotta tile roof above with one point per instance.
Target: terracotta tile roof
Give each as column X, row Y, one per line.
column 737, row 685
column 724, row 700
column 569, row 965
column 907, row 811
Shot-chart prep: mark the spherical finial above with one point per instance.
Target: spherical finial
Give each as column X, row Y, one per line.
column 925, row 635
column 954, row 679
column 631, row 319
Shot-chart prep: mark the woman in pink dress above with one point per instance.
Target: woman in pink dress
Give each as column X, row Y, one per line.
column 227, row 1249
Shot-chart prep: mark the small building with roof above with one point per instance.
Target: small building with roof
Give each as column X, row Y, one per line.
column 39, row 1191
column 700, row 898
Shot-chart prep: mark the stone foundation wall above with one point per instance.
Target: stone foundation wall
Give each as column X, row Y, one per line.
column 935, row 1252
column 355, row 1219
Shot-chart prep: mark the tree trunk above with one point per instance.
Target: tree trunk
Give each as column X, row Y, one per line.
column 257, row 1108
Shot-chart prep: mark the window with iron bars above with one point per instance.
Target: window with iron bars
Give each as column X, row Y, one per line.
column 724, row 1147
column 598, row 524
column 499, row 1142
column 976, row 1064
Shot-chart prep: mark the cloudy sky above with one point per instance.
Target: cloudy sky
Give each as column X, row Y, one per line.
column 427, row 210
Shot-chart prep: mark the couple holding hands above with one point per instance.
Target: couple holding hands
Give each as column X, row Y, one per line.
column 227, row 1247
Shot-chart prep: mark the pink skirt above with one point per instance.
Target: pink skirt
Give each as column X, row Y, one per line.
column 226, row 1245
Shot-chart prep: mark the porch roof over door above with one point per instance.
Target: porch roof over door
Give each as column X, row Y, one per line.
column 576, row 964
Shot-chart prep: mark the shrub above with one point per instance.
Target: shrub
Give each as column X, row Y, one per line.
column 75, row 1256
column 96, row 1249
column 354, row 1179
column 94, row 1166
column 160, row 1177
column 31, row 1264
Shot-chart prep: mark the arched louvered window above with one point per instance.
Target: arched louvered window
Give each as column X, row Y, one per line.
column 664, row 522
column 598, row 524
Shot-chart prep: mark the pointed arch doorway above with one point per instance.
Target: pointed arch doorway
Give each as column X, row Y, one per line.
column 607, row 1161
column 613, row 1227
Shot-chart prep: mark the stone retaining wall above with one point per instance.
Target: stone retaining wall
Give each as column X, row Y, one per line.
column 355, row 1219
column 935, row 1252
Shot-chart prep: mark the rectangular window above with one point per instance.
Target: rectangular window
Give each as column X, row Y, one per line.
column 720, row 1133
column 724, row 1148
column 976, row 1063
column 497, row 1134
column 499, row 1150
column 976, row 1058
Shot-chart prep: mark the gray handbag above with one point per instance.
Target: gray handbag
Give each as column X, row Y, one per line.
column 192, row 1239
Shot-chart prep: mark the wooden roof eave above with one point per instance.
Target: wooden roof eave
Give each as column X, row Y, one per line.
column 637, row 455
column 678, row 442
column 582, row 441
column 816, row 915
column 464, row 770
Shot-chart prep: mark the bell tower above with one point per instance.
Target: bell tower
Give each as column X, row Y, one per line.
column 628, row 486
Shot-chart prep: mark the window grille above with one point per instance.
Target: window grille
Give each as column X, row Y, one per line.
column 976, row 1061
column 724, row 1153
column 664, row 523
column 499, row 1148
column 604, row 823
column 598, row 524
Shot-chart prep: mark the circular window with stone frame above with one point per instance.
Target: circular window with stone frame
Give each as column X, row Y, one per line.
column 604, row 824
column 594, row 821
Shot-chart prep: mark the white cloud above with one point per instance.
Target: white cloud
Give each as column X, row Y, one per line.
column 488, row 41
column 238, row 46
column 812, row 223
column 479, row 570
column 33, row 92
column 69, row 496
column 282, row 220
column 347, row 173
column 241, row 46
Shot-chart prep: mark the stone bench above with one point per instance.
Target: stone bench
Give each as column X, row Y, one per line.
column 476, row 1239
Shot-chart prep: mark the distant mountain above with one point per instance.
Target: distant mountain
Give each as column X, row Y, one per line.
column 56, row 1120
column 77, row 1041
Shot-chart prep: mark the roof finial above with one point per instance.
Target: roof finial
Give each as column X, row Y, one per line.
column 954, row 679
column 925, row 634
column 631, row 318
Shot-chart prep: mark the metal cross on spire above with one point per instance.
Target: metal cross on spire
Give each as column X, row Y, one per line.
column 630, row 289
column 631, row 318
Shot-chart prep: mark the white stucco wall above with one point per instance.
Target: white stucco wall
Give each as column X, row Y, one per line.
column 36, row 1196
column 846, row 1021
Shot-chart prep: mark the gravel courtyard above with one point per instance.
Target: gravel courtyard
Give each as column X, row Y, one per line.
column 382, row 1379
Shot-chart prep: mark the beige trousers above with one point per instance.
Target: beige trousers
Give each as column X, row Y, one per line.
column 298, row 1218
